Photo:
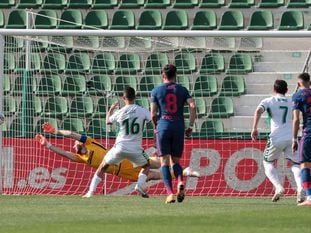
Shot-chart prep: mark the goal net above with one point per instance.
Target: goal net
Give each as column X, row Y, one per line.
column 71, row 80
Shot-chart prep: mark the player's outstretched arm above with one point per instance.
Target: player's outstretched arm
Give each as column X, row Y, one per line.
column 193, row 115
column 49, row 128
column 44, row 142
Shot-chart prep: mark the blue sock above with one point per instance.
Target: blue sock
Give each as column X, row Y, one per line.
column 178, row 172
column 306, row 181
column 167, row 179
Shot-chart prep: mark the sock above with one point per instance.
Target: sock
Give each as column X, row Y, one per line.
column 142, row 178
column 297, row 175
column 272, row 174
column 306, row 181
column 95, row 181
column 167, row 179
column 178, row 172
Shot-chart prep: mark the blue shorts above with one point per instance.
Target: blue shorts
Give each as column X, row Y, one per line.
column 305, row 152
column 170, row 142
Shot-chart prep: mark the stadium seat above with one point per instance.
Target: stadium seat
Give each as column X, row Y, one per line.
column 271, row 3
column 232, row 20
column 233, row 86
column 128, row 63
column 84, row 43
column 185, row 3
column 82, row 4
column 205, row 86
column 17, row 19
column 35, row 62
column 102, row 106
column 9, row 63
column 292, row 20
column 71, row 19
column 211, row 127
column 14, row 43
column 6, row 84
column 185, row 63
column 221, row 107
column 143, row 102
column 113, row 42
column 54, row 63
column 2, row 21
column 251, row 44
column 212, row 63
column 157, row 3
column 54, row 4
column 55, row 106
column 149, row 20
column 38, row 125
column 176, row 20
column 99, row 85
column 240, row 63
column 97, row 128
column 78, row 63
column 37, row 105
column 46, row 19
column 131, row 4
column 20, row 128
column 81, row 107
column 204, row 20
column 123, row 19
column 9, row 106
column 261, row 20
column 73, row 124
column 201, row 107
column 96, row 19
column 103, row 63
column 19, row 85
column 30, row 4
column 241, row 3
column 140, row 43
column 147, row 83
column 40, row 44
column 212, row 3
column 183, row 80
column 298, row 3
column 49, row 85
column 104, row 4
column 61, row 44
column 74, row 85
column 155, row 63
column 122, row 82
column 7, row 3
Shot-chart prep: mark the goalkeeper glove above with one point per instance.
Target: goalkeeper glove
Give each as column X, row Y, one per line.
column 188, row 132
column 42, row 140
column 49, row 128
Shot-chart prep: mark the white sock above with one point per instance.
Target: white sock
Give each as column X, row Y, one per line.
column 95, row 181
column 142, row 178
column 272, row 174
column 297, row 175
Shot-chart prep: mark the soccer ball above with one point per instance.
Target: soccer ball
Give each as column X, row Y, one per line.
column 1, row 118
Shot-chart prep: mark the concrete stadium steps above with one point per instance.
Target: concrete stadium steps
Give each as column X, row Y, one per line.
column 244, row 124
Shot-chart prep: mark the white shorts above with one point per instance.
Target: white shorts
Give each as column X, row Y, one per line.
column 273, row 151
column 115, row 155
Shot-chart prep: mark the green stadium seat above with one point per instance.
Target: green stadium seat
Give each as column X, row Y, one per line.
column 155, row 63
column 261, row 20
column 49, row 85
column 46, row 19
column 78, row 63
column 54, row 4
column 7, row 3
column 81, row 41
column 211, row 127
column 241, row 3
column 29, row 4
column 35, row 62
column 19, row 84
column 96, row 19
column 185, row 63
column 6, row 84
column 176, row 20
column 149, row 20
column 232, row 20
column 113, row 42
column 140, row 43
column 17, row 19
column 55, row 106
column 204, row 20
column 205, row 86
column 2, row 21
column 122, row 82
column 102, row 106
column 201, row 107
column 233, row 86
column 128, row 63
column 131, row 4
column 101, row 85
column 298, row 3
column 9, row 106
column 103, row 63
column 73, row 124
column 40, row 44
column 61, row 44
column 82, row 4
column 183, row 80
column 81, row 107
column 13, row 43
column 240, row 63
column 185, row 3
column 143, row 102
column 37, row 106
column 9, row 63
column 123, row 19
column 212, row 63
column 221, row 107
column 97, row 128
column 38, row 125
column 157, row 3
column 105, row 4
column 71, row 19
column 74, row 85
column 54, row 63
column 251, row 44
column 147, row 83
column 271, row 3
column 292, row 20
column 212, row 3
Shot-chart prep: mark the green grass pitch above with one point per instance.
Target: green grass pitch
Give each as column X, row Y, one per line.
column 133, row 214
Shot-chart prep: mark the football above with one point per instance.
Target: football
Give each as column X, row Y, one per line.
column 1, row 118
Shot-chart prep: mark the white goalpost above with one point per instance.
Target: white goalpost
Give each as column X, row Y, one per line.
column 71, row 77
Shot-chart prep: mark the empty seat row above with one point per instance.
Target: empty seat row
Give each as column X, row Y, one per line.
column 152, row 20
